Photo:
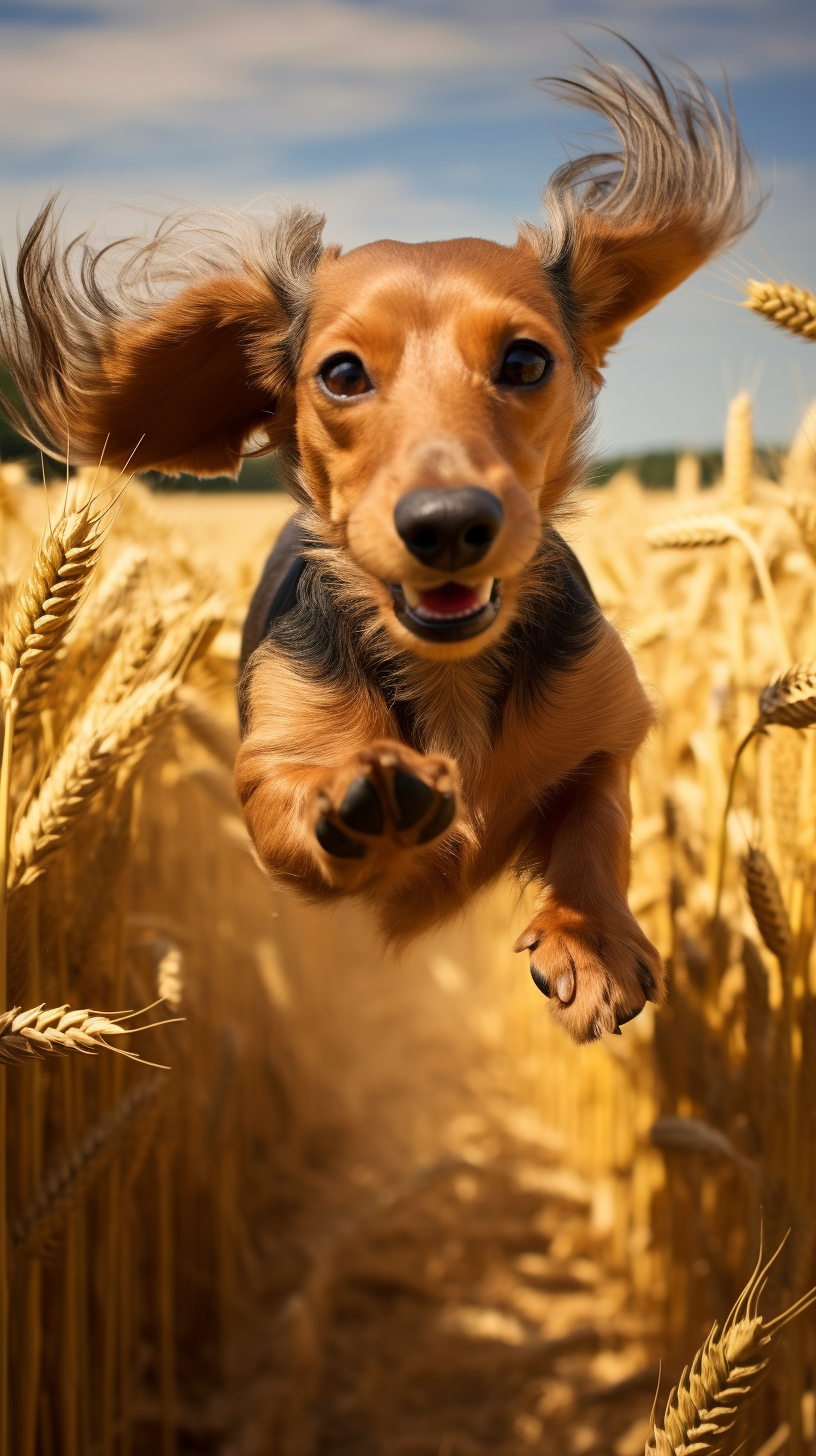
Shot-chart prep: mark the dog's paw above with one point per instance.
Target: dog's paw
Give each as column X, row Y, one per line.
column 598, row 976
column 386, row 800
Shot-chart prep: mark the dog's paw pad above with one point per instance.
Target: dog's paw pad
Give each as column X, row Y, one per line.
column 361, row 808
column 440, row 820
column 540, row 980
column 335, row 842
column 412, row 798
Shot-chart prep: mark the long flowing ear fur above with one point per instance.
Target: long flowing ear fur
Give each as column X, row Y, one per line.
column 172, row 350
column 627, row 225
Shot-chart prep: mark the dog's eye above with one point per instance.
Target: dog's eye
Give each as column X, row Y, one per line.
column 525, row 363
column 344, row 376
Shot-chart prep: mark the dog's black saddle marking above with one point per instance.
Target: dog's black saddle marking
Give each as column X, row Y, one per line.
column 276, row 592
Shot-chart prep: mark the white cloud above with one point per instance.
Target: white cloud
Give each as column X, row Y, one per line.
column 174, row 95
column 298, row 69
column 306, row 67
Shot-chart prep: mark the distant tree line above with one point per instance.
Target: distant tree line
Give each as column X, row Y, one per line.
column 655, row 469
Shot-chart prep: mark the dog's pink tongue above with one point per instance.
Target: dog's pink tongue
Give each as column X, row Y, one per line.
column 453, row 599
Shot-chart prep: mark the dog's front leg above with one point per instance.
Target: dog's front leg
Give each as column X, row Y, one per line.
column 332, row 803
column 587, row 951
column 341, row 829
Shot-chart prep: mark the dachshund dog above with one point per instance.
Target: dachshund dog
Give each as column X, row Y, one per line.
column 429, row 692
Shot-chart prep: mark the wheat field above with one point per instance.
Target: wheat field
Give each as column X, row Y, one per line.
column 267, row 1188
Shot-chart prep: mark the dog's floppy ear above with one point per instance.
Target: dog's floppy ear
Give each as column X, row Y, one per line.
column 628, row 225
column 129, row 363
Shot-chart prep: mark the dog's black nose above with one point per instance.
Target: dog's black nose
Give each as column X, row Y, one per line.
column 449, row 528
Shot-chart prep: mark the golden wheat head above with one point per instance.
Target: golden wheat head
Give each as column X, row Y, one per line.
column 790, row 699
column 724, row 1375
column 765, row 898
column 788, row 307
column 47, row 600
column 89, row 759
column 688, row 531
column 53, row 1031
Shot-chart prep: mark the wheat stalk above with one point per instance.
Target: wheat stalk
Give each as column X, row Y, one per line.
column 218, row 738
column 724, row 1375
column 85, row 764
column 791, row 308
column 53, row 1031
column 70, row 1176
column 765, row 898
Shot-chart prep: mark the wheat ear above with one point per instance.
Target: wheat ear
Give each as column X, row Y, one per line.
column 711, row 529
column 46, row 602
column 70, row 1176
column 765, row 898
column 85, row 764
column 54, row 1031
column 129, row 657
column 724, row 1375
column 692, row 1135
column 714, row 530
column 170, row 976
column 791, row 308
column 790, row 699
column 189, row 638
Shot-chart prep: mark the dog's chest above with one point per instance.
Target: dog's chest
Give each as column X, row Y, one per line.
column 453, row 708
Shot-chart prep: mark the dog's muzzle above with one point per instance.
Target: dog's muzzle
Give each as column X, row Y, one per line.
column 453, row 612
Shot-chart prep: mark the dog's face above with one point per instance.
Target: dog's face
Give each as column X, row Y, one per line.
column 435, row 401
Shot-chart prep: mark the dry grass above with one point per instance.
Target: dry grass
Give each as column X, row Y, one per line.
column 377, row 1205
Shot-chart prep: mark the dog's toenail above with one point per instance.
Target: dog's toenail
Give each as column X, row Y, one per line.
column 647, row 980
column 616, row 1031
column 414, row 798
column 361, row 808
column 565, row 986
column 540, row 980
column 335, row 842
column 528, row 940
column 441, row 818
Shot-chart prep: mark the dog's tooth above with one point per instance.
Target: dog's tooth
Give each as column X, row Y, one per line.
column 412, row 595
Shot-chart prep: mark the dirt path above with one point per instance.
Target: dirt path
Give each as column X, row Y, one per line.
column 453, row 1296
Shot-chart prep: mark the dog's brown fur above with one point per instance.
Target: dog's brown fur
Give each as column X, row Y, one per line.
column 527, row 730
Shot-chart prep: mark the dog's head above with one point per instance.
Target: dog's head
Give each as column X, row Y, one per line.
column 434, row 403
column 429, row 399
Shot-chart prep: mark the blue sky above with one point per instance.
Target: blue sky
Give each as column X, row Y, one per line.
column 420, row 120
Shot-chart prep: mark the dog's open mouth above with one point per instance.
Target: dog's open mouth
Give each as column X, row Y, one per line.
column 450, row 612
